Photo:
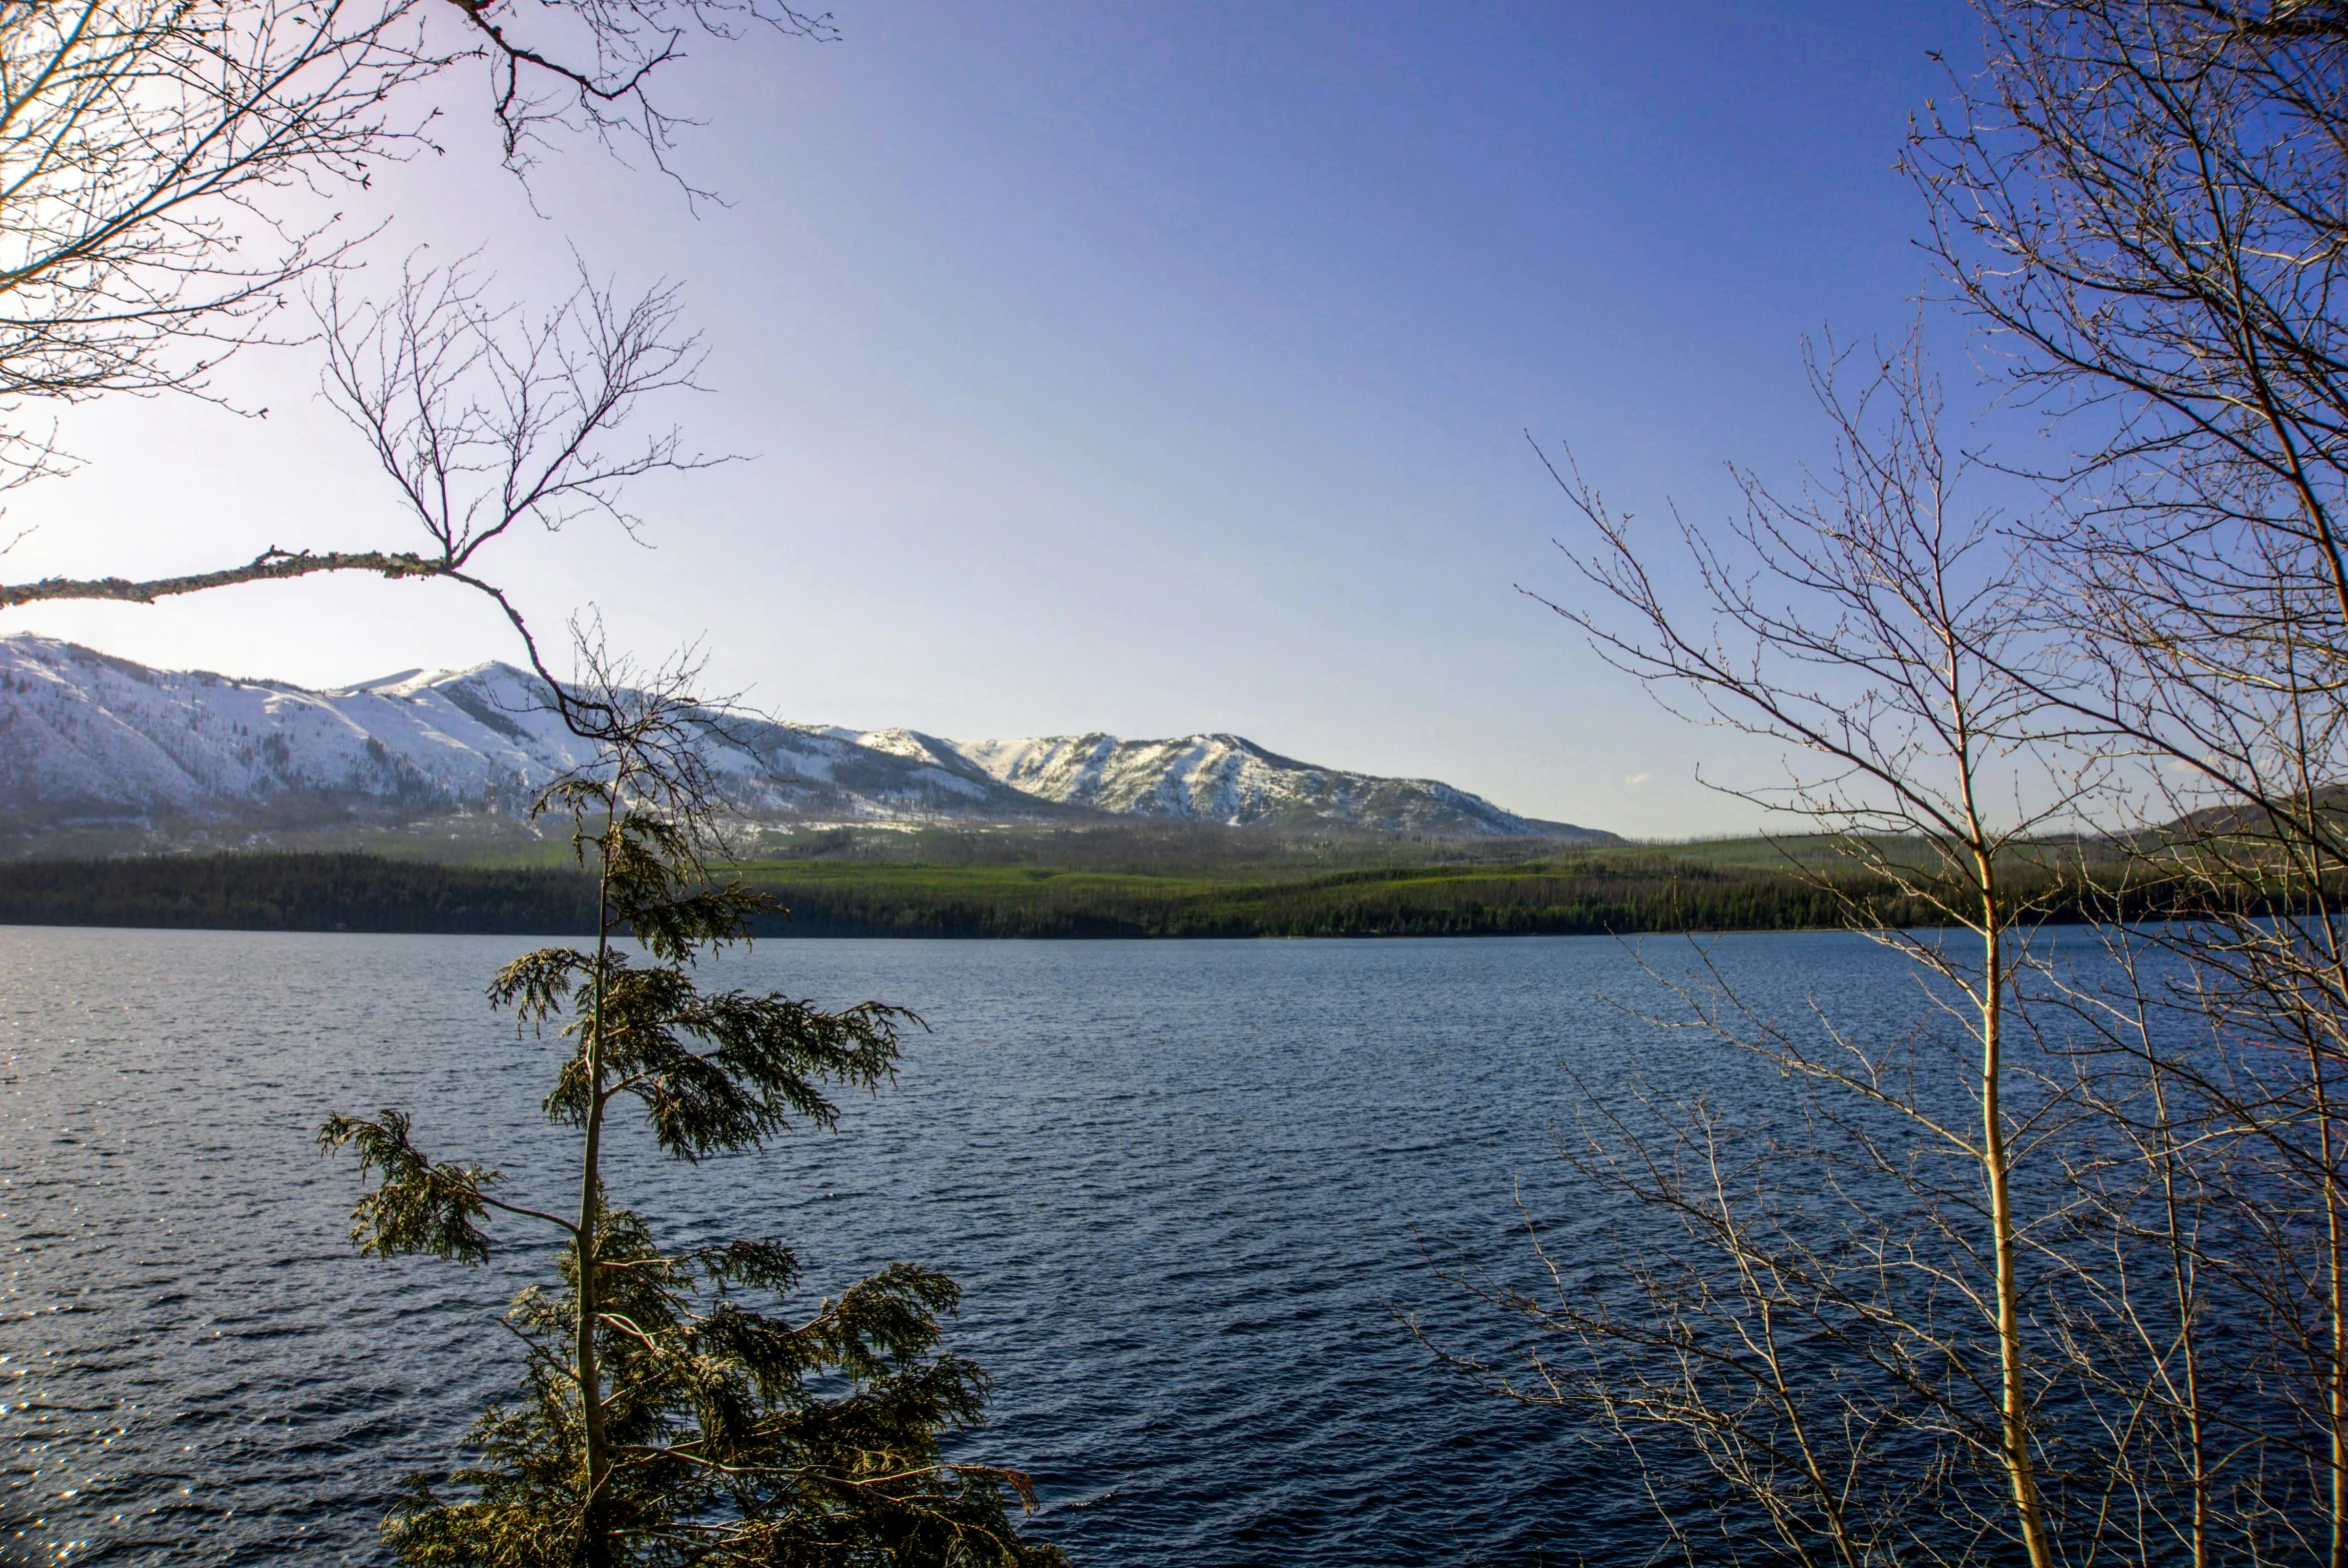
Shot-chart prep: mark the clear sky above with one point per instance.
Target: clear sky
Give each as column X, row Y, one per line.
column 1149, row 368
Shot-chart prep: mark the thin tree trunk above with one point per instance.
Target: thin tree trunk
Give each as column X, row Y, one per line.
column 2336, row 1374
column 2308, row 822
column 2183, row 1274
column 591, row 1396
column 2014, row 1415
column 2014, row 1406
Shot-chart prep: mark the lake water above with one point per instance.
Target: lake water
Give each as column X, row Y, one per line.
column 1187, row 1187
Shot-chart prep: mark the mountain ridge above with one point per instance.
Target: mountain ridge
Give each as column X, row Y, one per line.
column 89, row 738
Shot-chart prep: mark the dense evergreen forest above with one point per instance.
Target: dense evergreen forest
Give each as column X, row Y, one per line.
column 295, row 892
column 1699, row 888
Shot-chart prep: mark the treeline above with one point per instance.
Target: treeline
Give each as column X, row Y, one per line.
column 1592, row 893
column 1579, row 896
column 296, row 892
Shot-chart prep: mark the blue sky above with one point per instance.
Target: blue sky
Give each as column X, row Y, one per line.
column 1150, row 368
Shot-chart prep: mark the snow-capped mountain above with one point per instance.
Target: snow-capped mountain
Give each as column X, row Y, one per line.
column 86, row 737
column 1227, row 779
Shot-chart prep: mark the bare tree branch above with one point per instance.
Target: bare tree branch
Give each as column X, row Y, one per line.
column 481, row 418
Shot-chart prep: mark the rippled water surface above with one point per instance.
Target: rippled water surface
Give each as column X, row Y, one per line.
column 1186, row 1188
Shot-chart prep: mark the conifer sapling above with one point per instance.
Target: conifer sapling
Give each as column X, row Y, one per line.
column 671, row 1415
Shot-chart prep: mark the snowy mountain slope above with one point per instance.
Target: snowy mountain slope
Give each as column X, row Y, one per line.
column 1226, row 779
column 89, row 739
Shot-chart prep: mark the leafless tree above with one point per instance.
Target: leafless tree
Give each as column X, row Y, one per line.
column 1868, row 623
column 485, row 418
column 167, row 170
column 2052, row 1270
column 2038, row 1273
column 482, row 419
column 2138, row 1318
column 148, row 149
column 2144, row 205
column 589, row 65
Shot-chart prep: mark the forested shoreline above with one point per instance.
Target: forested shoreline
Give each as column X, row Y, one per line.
column 1647, row 893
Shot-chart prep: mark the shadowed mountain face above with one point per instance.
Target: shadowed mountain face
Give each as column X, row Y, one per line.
column 87, row 739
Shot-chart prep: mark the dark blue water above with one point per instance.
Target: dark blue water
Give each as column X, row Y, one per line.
column 1188, row 1188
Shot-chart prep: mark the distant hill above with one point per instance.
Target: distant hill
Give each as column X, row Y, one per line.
column 87, row 741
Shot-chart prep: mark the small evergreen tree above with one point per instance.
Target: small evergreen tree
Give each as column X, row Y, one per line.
column 666, row 1421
